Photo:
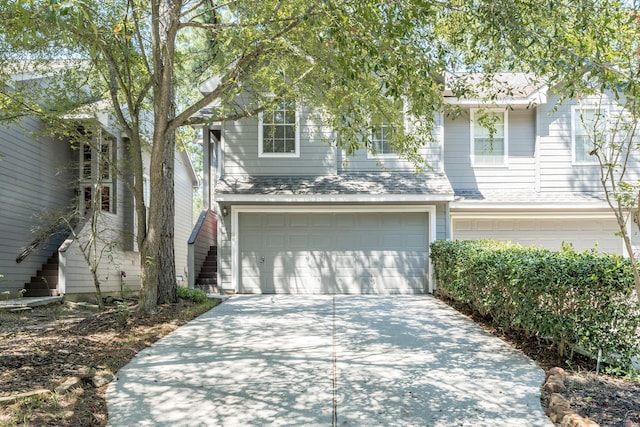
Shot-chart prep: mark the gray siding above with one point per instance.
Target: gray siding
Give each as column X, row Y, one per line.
column 363, row 161
column 183, row 224
column 75, row 272
column 557, row 173
column 240, row 142
column 116, row 228
column 518, row 174
column 35, row 179
column 442, row 222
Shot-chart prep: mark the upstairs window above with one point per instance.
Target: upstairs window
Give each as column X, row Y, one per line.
column 489, row 138
column 587, row 132
column 382, row 131
column 279, row 131
column 380, row 137
column 96, row 171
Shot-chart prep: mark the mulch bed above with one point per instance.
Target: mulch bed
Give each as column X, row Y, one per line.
column 42, row 348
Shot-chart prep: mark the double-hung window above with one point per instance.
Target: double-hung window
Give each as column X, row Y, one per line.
column 96, row 171
column 380, row 137
column 279, row 131
column 588, row 128
column 489, row 138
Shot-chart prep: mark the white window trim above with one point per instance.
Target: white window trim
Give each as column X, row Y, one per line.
column 392, row 155
column 378, row 155
column 574, row 116
column 505, row 157
column 262, row 154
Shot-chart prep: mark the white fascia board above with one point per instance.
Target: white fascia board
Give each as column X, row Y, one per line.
column 537, row 97
column 260, row 198
column 188, row 164
column 479, row 103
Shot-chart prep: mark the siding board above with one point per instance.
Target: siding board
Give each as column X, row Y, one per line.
column 34, row 179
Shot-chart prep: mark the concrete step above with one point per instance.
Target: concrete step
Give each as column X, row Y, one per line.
column 43, row 281
column 41, row 293
column 206, row 281
column 50, row 267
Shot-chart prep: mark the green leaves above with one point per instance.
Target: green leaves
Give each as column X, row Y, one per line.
column 581, row 301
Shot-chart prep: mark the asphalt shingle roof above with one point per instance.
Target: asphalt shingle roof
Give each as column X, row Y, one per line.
column 429, row 183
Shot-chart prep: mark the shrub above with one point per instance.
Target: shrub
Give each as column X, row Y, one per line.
column 195, row 295
column 579, row 300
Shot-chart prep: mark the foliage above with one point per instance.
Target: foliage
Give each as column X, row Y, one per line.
column 123, row 313
column 581, row 301
column 355, row 59
column 195, row 295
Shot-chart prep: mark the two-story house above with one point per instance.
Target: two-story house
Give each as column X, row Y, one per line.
column 44, row 178
column 296, row 215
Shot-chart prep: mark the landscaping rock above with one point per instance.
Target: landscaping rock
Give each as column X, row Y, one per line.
column 559, row 414
column 554, row 386
column 575, row 420
column 559, row 372
column 68, row 385
column 101, row 378
column 558, row 401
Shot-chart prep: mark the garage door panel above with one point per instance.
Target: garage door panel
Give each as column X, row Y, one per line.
column 275, row 220
column 274, row 243
column 344, row 220
column 334, row 253
column 583, row 233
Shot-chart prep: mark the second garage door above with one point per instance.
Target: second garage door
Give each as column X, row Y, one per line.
column 345, row 252
column 583, row 233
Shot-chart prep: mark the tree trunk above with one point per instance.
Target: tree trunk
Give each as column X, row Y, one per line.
column 167, row 286
column 150, row 246
column 147, row 302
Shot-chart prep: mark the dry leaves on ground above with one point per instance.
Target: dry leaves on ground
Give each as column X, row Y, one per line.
column 40, row 349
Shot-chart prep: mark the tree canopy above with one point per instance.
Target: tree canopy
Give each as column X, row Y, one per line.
column 353, row 59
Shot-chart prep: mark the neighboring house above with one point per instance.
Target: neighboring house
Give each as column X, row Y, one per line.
column 295, row 215
column 43, row 178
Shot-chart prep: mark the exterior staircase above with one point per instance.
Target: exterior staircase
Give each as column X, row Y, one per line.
column 207, row 279
column 45, row 282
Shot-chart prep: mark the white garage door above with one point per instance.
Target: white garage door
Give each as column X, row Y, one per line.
column 583, row 233
column 328, row 253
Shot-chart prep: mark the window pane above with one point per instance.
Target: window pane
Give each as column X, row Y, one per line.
column 87, row 199
column 289, row 132
column 279, row 132
column 267, row 145
column 489, row 151
column 380, row 137
column 497, row 120
column 278, row 146
column 106, row 198
column 583, row 148
column 589, row 124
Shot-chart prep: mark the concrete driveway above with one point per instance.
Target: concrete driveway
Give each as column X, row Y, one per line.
column 328, row 361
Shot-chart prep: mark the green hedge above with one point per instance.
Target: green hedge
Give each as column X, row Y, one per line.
column 578, row 300
column 195, row 295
